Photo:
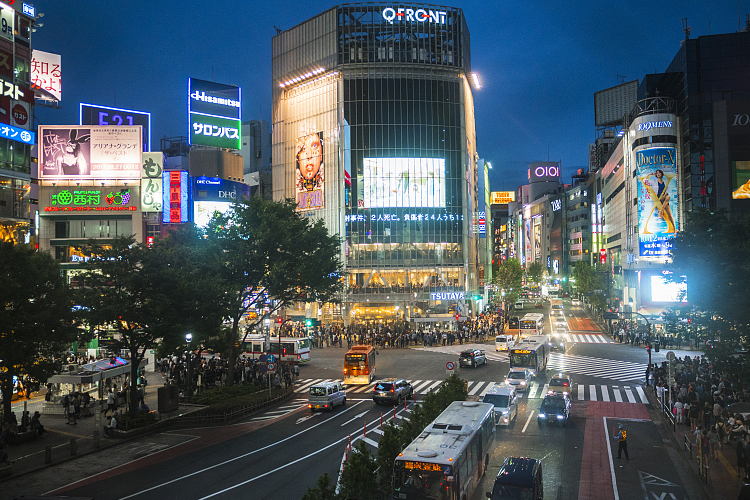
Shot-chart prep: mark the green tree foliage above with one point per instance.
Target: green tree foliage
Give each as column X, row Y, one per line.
column 508, row 277
column 268, row 250
column 323, row 490
column 36, row 317
column 359, row 478
column 592, row 282
column 534, row 272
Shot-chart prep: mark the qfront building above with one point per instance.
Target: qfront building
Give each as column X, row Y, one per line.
column 373, row 132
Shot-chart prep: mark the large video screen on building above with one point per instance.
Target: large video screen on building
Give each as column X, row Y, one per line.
column 204, row 210
column 740, row 180
column 664, row 291
column 657, row 194
column 404, row 182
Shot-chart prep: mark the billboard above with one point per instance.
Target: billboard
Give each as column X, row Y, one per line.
column 544, row 172
column 46, row 75
column 92, row 114
column 152, row 166
column 212, row 194
column 90, row 152
column 404, row 182
column 656, row 173
column 664, row 291
column 310, row 171
column 740, row 180
column 214, row 114
column 611, row 104
column 174, row 196
column 92, row 199
column 502, row 197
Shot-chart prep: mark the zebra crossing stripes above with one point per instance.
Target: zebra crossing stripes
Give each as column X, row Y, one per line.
column 590, row 338
column 622, row 371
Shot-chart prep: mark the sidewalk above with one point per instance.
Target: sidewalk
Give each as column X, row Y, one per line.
column 30, row 456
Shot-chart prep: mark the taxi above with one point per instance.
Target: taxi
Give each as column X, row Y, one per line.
column 472, row 357
column 559, row 384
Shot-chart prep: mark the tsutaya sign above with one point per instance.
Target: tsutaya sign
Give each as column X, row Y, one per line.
column 447, row 296
column 413, row 15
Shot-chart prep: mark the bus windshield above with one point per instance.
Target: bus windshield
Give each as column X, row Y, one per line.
column 523, row 359
column 422, row 485
column 304, row 343
column 356, row 360
column 528, row 325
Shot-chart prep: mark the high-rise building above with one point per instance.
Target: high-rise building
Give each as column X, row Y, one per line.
column 373, row 132
column 256, row 154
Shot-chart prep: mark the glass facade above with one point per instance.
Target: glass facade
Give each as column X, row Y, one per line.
column 380, row 94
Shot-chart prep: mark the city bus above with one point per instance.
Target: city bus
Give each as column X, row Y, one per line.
column 531, row 324
column 447, row 460
column 359, row 365
column 531, row 353
column 555, row 306
column 294, row 349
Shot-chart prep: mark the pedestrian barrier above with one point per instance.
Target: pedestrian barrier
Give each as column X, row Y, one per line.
column 666, row 410
column 689, row 446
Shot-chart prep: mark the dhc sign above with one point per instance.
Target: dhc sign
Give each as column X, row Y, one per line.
column 413, row 15
column 447, row 296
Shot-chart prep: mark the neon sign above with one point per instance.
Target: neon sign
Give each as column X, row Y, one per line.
column 556, row 205
column 447, row 296
column 90, row 197
column 547, row 171
column 650, row 125
column 411, row 15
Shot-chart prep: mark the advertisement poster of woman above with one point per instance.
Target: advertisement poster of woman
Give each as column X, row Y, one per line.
column 657, row 190
column 310, row 170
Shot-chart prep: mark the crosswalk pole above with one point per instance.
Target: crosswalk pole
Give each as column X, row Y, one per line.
column 405, row 401
column 381, row 419
column 394, row 411
column 364, row 431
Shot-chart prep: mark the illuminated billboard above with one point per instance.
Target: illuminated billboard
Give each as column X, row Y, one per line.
column 46, row 75
column 212, row 194
column 90, row 152
column 310, row 171
column 92, row 199
column 544, row 172
column 657, row 192
column 664, row 291
column 502, row 197
column 92, row 114
column 740, row 180
column 174, row 196
column 404, row 182
column 214, row 114
column 152, row 166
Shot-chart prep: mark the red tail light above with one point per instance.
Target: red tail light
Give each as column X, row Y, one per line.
column 392, row 389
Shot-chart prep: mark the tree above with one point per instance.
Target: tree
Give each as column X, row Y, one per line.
column 508, row 277
column 534, row 272
column 323, row 490
column 271, row 256
column 594, row 283
column 37, row 320
column 359, row 477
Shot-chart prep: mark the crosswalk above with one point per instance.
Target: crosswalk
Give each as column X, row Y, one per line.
column 621, row 393
column 589, row 338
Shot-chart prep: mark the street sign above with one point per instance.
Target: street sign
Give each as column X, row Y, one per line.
column 271, row 367
column 271, row 358
column 262, row 358
column 262, row 368
column 670, row 356
column 449, row 365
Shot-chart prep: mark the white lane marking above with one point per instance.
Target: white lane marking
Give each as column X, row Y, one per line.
column 421, row 385
column 365, row 388
column 239, row 457
column 369, row 441
column 486, row 389
column 642, row 394
column 528, row 420
column 544, row 391
column 629, row 394
column 611, row 463
column 618, row 394
column 475, row 389
column 592, row 392
column 428, row 389
column 308, row 417
column 355, row 418
column 532, row 391
column 581, row 394
column 605, row 393
column 306, row 386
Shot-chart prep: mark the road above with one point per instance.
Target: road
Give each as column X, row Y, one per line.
column 283, row 450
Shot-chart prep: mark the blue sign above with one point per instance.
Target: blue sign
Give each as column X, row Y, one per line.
column 271, row 358
column 17, row 134
column 262, row 358
column 29, row 10
column 92, row 114
column 214, row 114
column 263, row 368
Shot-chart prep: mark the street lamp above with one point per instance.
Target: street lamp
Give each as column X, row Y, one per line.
column 188, row 338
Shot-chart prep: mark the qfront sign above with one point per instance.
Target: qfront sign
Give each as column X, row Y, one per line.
column 405, row 14
column 214, row 114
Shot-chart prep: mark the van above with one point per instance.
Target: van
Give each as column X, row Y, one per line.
column 519, row 305
column 504, row 399
column 518, row 478
column 504, row 342
column 327, row 395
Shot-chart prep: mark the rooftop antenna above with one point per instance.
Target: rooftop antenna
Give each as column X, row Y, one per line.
column 620, row 78
column 279, row 30
column 686, row 28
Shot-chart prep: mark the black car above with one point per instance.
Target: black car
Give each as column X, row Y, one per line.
column 392, row 390
column 554, row 409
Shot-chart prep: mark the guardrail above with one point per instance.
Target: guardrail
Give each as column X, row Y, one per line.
column 666, row 410
column 688, row 446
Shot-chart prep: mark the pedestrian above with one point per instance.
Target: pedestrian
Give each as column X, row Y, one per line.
column 621, row 436
column 713, row 440
column 71, row 414
column 112, row 425
column 110, row 403
column 36, row 425
column 741, row 458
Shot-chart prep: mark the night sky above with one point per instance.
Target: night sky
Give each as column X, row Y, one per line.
column 540, row 62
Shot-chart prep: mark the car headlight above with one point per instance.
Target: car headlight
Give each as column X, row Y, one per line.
column 542, row 415
column 566, row 392
column 560, row 417
column 523, row 382
column 505, row 412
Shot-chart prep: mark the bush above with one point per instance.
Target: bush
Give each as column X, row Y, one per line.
column 226, row 399
column 218, row 394
column 142, row 419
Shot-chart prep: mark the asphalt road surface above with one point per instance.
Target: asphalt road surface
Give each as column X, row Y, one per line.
column 281, row 451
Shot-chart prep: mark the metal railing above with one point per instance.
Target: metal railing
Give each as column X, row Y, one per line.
column 667, row 410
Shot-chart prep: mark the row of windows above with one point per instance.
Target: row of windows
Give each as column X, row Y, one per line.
column 401, row 90
column 403, row 113
column 15, row 156
column 398, row 255
column 411, row 138
column 76, row 228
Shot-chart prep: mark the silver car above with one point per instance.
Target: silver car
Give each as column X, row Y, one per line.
column 520, row 378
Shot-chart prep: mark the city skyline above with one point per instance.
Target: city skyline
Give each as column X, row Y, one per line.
column 539, row 64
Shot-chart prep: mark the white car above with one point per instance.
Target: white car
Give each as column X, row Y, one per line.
column 505, row 400
column 575, row 302
column 520, row 378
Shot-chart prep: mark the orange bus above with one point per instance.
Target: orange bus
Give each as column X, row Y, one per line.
column 359, row 365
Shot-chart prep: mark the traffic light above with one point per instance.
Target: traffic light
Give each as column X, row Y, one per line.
column 284, row 352
column 477, row 297
column 280, row 321
column 309, row 322
column 456, row 316
column 648, row 348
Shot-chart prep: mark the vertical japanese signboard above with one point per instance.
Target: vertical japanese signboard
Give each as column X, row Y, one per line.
column 214, row 114
column 656, row 171
column 89, row 152
column 7, row 16
column 46, row 75
column 152, row 166
column 175, row 196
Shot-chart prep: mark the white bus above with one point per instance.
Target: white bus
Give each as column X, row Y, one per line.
column 295, row 349
column 505, row 341
column 448, row 459
column 531, row 324
column 531, row 353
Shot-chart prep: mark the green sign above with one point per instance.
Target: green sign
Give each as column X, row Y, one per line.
column 214, row 131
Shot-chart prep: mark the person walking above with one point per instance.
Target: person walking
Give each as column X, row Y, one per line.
column 621, row 436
